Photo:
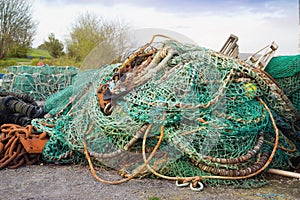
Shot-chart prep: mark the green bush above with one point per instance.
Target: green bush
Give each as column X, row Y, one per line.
column 7, row 63
column 65, row 61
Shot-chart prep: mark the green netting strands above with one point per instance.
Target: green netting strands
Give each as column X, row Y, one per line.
column 295, row 97
column 286, row 71
column 283, row 66
column 38, row 82
column 210, row 109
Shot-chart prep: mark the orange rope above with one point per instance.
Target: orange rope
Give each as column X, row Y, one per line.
column 185, row 179
column 128, row 178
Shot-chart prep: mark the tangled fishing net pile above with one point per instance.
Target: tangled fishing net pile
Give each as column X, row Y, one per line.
column 176, row 111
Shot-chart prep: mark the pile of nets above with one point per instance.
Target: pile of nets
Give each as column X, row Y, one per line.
column 38, row 82
column 174, row 111
column 286, row 71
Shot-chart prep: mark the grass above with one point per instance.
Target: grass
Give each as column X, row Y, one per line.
column 33, row 56
column 153, row 198
column 18, row 59
column 36, row 53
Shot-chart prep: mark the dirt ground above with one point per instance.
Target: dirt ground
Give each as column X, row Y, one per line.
column 76, row 182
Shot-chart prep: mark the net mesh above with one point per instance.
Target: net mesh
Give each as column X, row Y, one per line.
column 207, row 108
column 38, row 82
column 286, row 71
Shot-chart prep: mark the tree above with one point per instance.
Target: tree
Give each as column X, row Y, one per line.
column 17, row 27
column 54, row 46
column 89, row 31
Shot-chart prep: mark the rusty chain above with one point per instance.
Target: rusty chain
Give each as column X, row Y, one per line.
column 20, row 145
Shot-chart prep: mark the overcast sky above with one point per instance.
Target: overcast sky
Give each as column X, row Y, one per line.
column 207, row 22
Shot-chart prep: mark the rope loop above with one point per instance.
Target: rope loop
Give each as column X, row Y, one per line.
column 198, row 187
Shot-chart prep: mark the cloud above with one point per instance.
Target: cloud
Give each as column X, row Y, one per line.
column 189, row 7
column 209, row 23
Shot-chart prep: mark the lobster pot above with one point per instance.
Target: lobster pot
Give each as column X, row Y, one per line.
column 24, row 82
column 38, row 82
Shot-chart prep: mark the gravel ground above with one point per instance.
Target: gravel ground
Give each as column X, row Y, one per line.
column 76, row 182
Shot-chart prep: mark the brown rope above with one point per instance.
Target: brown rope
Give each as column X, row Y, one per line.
column 129, row 177
column 230, row 177
column 264, row 161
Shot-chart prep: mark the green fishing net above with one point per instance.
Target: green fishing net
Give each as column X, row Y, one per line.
column 207, row 114
column 38, row 82
column 286, row 71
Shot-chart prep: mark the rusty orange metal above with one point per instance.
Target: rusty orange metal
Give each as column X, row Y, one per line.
column 33, row 145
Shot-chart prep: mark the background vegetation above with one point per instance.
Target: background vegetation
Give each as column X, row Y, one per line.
column 89, row 32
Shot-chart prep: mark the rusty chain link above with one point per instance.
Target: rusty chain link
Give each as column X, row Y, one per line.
column 20, row 145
